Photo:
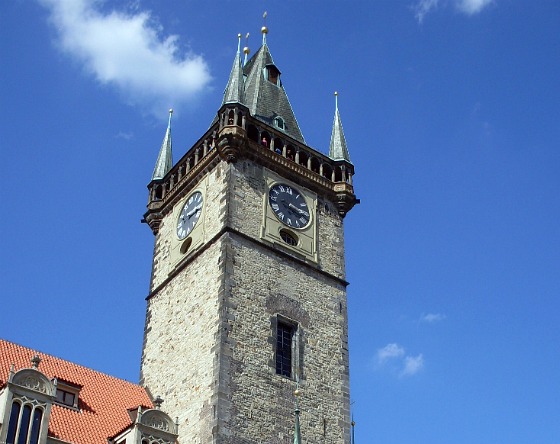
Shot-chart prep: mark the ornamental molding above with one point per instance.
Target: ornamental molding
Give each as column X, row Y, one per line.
column 34, row 380
column 156, row 419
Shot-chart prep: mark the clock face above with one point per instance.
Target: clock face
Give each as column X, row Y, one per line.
column 189, row 215
column 289, row 205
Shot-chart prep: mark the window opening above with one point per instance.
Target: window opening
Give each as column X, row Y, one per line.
column 288, row 237
column 64, row 397
column 24, row 424
column 14, row 419
column 36, row 426
column 279, row 122
column 273, row 74
column 284, row 338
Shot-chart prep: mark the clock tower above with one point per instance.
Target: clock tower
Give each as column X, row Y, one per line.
column 247, row 297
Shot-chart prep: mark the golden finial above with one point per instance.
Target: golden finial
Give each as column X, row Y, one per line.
column 238, row 42
column 170, row 110
column 246, row 49
column 297, row 392
column 336, row 99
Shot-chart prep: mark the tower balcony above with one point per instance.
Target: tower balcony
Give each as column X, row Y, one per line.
column 236, row 135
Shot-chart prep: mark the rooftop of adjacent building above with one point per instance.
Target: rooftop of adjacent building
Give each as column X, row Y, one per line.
column 103, row 404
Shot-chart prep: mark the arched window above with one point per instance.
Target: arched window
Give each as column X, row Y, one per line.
column 338, row 174
column 327, row 171
column 315, row 165
column 19, row 430
column 278, row 145
column 265, row 139
column 253, row 133
column 279, row 123
column 289, row 237
column 303, row 158
column 14, row 420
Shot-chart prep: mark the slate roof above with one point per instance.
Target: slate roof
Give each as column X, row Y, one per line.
column 264, row 99
column 234, row 88
column 103, row 403
column 338, row 149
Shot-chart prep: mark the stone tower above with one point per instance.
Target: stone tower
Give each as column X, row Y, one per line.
column 248, row 292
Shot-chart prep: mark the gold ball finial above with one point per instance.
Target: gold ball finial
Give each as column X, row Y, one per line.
column 264, row 30
column 336, row 93
column 170, row 110
column 297, row 392
column 239, row 36
column 246, row 50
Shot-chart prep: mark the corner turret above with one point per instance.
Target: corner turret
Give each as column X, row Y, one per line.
column 338, row 149
column 234, row 88
column 165, row 158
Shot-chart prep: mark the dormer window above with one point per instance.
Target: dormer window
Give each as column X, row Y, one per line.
column 279, row 123
column 67, row 394
column 64, row 397
column 272, row 74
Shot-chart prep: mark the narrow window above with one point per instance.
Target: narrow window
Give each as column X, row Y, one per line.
column 273, row 74
column 24, row 424
column 12, row 427
column 36, row 426
column 284, row 339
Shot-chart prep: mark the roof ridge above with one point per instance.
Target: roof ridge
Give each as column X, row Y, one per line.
column 74, row 364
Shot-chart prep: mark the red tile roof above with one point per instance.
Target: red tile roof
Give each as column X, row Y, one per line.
column 103, row 402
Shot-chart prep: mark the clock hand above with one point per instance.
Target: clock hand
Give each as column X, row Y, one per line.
column 194, row 211
column 299, row 210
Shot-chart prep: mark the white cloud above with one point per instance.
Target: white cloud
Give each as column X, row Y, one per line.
column 432, row 317
column 412, row 365
column 393, row 357
column 390, row 351
column 469, row 7
column 423, row 7
column 127, row 51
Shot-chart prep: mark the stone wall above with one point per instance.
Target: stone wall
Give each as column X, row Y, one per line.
column 210, row 323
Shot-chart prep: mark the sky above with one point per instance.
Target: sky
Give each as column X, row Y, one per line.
column 451, row 112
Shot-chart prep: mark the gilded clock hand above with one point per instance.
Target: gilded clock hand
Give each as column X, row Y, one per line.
column 299, row 210
column 194, row 211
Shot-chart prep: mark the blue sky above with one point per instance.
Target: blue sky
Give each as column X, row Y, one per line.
column 451, row 112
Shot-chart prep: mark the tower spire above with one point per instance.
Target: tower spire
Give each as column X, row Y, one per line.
column 338, row 149
column 297, row 431
column 246, row 49
column 264, row 29
column 234, row 88
column 165, row 158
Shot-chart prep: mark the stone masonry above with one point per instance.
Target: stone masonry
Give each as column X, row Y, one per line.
column 209, row 342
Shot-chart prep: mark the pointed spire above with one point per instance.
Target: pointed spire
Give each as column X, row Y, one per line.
column 267, row 99
column 297, row 431
column 338, row 149
column 165, row 158
column 234, row 88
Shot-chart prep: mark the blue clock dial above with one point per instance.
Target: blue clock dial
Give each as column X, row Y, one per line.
column 289, row 206
column 189, row 215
